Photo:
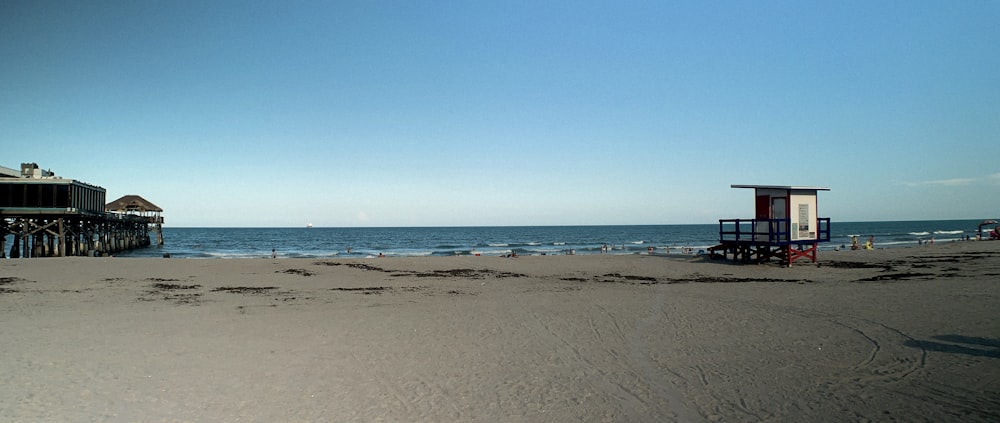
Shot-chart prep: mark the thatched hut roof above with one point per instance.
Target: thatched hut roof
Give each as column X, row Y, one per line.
column 132, row 203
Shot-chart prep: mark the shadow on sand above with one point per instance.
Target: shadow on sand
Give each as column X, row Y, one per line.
column 960, row 344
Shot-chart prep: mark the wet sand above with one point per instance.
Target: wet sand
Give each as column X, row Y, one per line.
column 909, row 334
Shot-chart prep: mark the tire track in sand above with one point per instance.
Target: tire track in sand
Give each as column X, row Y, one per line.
column 638, row 352
column 890, row 364
column 621, row 368
column 606, row 380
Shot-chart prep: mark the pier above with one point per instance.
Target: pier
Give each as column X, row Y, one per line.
column 49, row 216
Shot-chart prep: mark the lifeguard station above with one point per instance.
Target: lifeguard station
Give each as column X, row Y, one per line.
column 786, row 227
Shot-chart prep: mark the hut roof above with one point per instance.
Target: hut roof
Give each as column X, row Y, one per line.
column 132, row 203
column 785, row 187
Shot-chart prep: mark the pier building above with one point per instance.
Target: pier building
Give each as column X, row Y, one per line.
column 44, row 215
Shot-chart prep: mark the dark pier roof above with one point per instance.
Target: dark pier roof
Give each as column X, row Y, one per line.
column 132, row 203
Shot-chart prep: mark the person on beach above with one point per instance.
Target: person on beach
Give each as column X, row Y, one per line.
column 274, row 253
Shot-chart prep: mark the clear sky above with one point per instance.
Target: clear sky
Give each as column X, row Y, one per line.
column 454, row 113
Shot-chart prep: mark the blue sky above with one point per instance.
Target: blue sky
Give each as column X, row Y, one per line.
column 444, row 113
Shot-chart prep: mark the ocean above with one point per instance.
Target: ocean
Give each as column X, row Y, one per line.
column 496, row 241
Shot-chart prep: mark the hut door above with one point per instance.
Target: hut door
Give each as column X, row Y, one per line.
column 763, row 207
column 762, row 228
column 778, row 211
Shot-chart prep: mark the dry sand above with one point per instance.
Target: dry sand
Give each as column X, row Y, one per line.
column 888, row 335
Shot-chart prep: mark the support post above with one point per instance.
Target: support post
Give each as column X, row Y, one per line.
column 15, row 248
column 62, row 239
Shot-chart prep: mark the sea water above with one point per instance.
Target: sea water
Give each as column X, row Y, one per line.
column 503, row 240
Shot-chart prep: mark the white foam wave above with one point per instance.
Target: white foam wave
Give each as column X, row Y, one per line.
column 884, row 243
column 920, row 233
column 948, row 232
column 491, row 251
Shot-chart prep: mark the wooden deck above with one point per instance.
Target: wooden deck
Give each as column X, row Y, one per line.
column 761, row 240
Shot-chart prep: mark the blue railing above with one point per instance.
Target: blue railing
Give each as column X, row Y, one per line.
column 769, row 231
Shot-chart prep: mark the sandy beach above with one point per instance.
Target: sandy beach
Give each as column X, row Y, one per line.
column 908, row 334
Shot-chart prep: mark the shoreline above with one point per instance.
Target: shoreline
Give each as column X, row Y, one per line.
column 549, row 240
column 670, row 251
column 886, row 334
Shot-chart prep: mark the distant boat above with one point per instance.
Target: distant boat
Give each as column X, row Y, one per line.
column 309, row 225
